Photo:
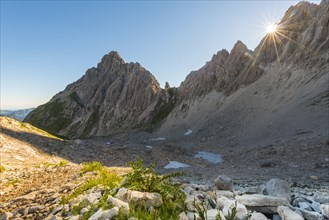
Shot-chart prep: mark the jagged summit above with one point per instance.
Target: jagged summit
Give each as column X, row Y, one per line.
column 288, row 70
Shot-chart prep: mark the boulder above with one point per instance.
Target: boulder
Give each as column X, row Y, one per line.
column 258, row 216
column 325, row 210
column 140, row 198
column 321, row 197
column 118, row 203
column 109, row 214
column 228, row 204
column 212, row 213
column 223, row 182
column 305, row 206
column 279, row 188
column 316, row 207
column 226, row 193
column 309, row 215
column 287, row 214
column 261, row 200
column 97, row 215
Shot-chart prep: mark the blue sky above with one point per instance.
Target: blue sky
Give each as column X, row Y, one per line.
column 46, row 45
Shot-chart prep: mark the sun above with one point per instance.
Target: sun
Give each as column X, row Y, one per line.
column 271, row 28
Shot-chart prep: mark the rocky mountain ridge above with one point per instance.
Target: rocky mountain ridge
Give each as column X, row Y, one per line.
column 288, row 69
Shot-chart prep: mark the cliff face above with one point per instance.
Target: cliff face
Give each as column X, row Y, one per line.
column 267, row 95
column 235, row 89
column 110, row 98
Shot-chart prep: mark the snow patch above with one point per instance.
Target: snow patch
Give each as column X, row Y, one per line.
column 149, row 147
column 189, row 131
column 176, row 165
column 158, row 139
column 210, row 157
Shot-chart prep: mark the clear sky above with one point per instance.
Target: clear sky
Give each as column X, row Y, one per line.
column 46, row 45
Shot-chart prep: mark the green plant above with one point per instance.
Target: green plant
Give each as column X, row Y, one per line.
column 91, row 166
column 201, row 208
column 104, row 178
column 145, row 179
column 2, row 169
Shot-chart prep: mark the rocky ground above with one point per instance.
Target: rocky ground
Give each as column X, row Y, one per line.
column 40, row 169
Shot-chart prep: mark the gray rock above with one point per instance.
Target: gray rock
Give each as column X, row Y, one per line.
column 276, row 217
column 279, row 188
column 35, row 209
column 148, row 199
column 258, row 216
column 97, row 215
column 298, row 200
column 263, row 209
column 287, row 214
column 118, row 203
column 57, row 209
column 305, row 206
column 316, row 207
column 109, row 214
column 223, row 182
column 325, row 210
column 6, row 216
column 308, row 215
column 261, row 200
column 321, row 197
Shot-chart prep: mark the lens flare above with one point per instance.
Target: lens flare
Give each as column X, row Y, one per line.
column 271, row 28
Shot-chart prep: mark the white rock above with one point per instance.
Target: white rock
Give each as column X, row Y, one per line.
column 261, row 200
column 212, row 213
column 210, row 157
column 192, row 215
column 325, row 210
column 92, row 197
column 228, row 204
column 118, row 203
column 110, row 214
column 97, row 215
column 287, row 214
column 258, row 216
column 226, row 193
column 176, row 165
column 148, row 199
column 305, row 206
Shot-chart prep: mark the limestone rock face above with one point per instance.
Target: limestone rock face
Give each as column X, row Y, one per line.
column 113, row 97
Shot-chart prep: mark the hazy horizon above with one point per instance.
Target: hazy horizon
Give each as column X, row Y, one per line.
column 47, row 45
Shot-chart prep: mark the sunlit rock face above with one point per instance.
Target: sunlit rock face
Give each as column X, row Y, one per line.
column 265, row 96
column 115, row 96
column 265, row 93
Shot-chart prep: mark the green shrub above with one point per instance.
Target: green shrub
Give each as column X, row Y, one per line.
column 91, row 166
column 146, row 180
column 2, row 169
column 104, row 178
